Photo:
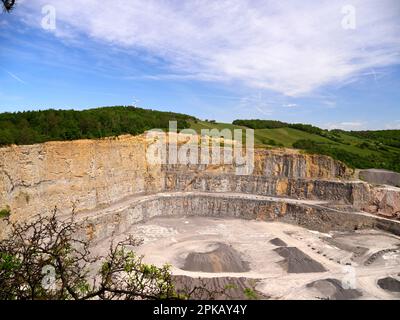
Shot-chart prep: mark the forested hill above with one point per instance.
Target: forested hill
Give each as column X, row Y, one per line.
column 39, row 126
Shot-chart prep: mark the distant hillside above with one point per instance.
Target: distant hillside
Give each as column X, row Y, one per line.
column 39, row 126
column 358, row 149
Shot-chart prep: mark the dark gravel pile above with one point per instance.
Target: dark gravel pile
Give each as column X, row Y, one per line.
column 223, row 259
column 296, row 261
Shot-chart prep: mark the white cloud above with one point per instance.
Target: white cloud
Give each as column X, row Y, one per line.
column 346, row 125
column 393, row 125
column 293, row 47
column 329, row 103
column 290, row 105
column 256, row 103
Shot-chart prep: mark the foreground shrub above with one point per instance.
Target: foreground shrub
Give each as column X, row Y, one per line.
column 44, row 259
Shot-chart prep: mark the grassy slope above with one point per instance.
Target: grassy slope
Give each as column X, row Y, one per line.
column 349, row 144
column 287, row 136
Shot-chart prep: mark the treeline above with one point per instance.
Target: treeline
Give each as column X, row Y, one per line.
column 377, row 137
column 260, row 124
column 386, row 160
column 39, row 126
column 387, row 137
column 275, row 124
column 380, row 143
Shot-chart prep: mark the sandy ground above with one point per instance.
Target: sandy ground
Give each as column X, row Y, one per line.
column 286, row 261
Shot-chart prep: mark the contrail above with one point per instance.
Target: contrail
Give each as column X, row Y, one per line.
column 15, row 77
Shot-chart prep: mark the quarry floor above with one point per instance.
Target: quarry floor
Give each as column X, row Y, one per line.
column 276, row 260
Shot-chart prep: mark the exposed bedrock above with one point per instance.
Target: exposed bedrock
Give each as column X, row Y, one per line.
column 384, row 201
column 359, row 195
column 118, row 220
column 378, row 176
column 88, row 174
column 83, row 174
column 341, row 192
column 287, row 163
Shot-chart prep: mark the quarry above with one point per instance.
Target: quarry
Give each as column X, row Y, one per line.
column 300, row 226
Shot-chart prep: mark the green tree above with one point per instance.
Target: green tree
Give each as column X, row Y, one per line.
column 46, row 259
column 38, row 126
column 6, row 137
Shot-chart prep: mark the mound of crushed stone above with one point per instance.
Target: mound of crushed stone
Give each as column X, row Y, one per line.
column 296, row 261
column 278, row 242
column 332, row 289
column 389, row 284
column 222, row 259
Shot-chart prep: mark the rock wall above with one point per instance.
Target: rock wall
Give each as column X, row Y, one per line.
column 118, row 221
column 384, row 201
column 314, row 189
column 378, row 176
column 87, row 174
column 283, row 163
column 81, row 174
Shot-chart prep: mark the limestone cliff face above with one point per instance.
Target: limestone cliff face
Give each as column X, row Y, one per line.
column 88, row 174
column 83, row 174
column 341, row 192
column 282, row 163
column 291, row 163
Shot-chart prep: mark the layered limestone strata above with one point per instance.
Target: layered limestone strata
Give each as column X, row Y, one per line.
column 81, row 174
column 87, row 174
column 378, row 176
column 341, row 192
column 102, row 224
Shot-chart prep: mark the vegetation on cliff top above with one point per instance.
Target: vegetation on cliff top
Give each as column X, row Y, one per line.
column 358, row 149
column 48, row 125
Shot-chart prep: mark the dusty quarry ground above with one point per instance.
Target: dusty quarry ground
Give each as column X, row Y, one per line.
column 274, row 259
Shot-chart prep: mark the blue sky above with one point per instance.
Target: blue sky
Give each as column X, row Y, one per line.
column 292, row 61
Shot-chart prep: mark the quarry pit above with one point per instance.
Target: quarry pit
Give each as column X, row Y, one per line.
column 210, row 238
column 299, row 227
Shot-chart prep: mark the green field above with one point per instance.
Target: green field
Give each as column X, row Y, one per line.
column 349, row 147
column 287, row 136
